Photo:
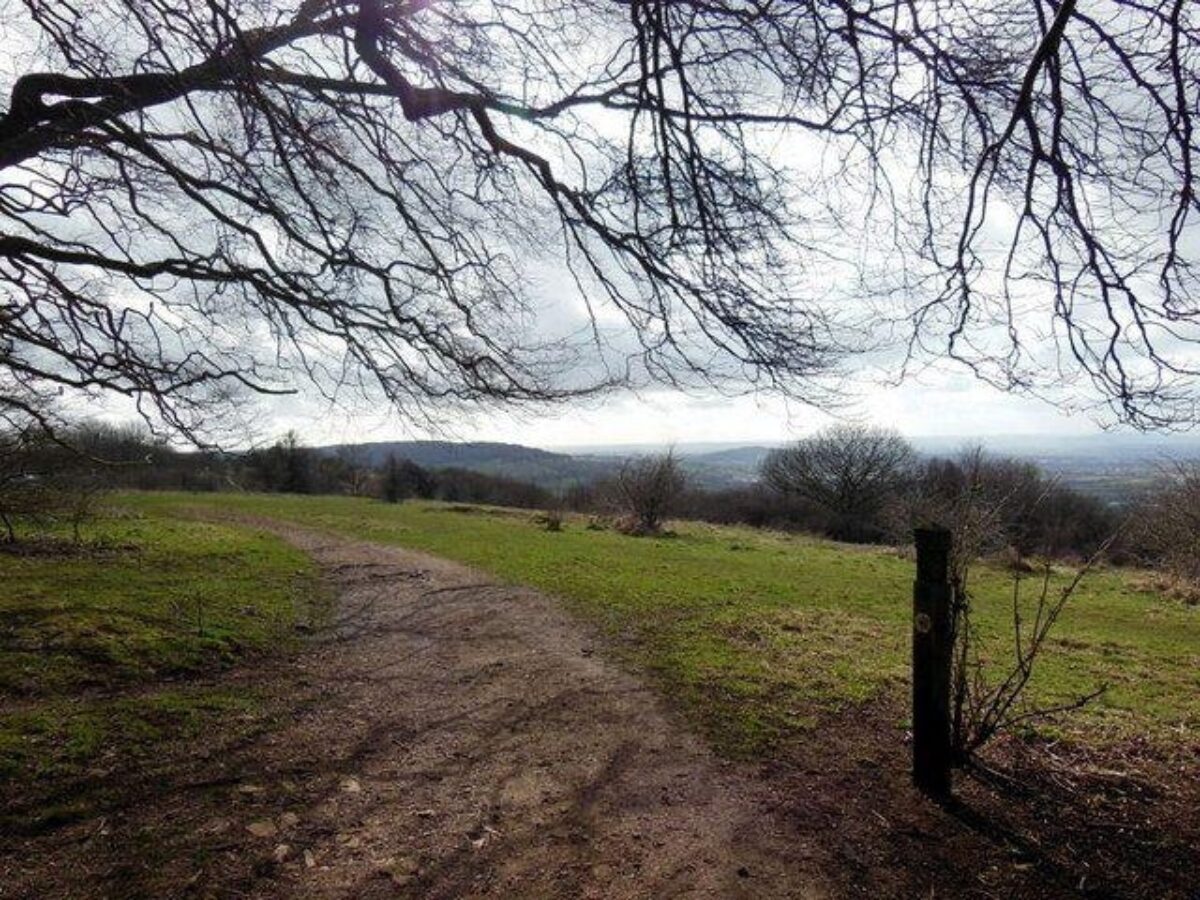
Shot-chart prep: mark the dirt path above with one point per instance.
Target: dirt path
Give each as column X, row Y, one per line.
column 454, row 738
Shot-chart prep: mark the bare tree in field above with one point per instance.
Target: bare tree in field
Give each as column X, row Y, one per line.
column 201, row 201
column 648, row 490
column 851, row 471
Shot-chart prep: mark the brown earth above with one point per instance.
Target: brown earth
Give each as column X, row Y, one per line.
column 453, row 737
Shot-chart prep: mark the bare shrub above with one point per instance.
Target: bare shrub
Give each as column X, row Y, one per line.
column 553, row 518
column 647, row 492
column 29, row 491
column 403, row 478
column 1023, row 512
column 1165, row 528
column 979, row 499
column 21, row 501
column 43, row 483
column 984, row 704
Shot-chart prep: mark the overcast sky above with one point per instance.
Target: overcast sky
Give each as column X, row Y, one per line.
column 948, row 405
column 944, row 403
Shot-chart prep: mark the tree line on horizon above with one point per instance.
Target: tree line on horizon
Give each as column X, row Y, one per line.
column 852, row 483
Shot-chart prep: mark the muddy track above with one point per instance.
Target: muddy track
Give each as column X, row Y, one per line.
column 452, row 737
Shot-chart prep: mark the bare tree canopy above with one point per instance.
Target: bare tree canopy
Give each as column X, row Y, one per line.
column 852, row 471
column 206, row 199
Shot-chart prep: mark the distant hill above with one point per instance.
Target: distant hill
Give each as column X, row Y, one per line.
column 1111, row 466
column 724, row 468
column 542, row 467
column 734, row 456
column 709, row 464
column 732, row 465
column 1115, row 467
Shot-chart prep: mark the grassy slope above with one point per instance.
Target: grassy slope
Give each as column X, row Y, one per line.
column 95, row 648
column 759, row 633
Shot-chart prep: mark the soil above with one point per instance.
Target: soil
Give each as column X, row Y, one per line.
column 453, row 737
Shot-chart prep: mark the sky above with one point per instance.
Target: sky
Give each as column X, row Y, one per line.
column 947, row 402
column 947, row 405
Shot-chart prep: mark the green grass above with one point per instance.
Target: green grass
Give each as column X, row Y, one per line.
column 65, row 737
column 759, row 634
column 96, row 646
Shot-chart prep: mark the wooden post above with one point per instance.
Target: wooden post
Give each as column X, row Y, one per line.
column 933, row 599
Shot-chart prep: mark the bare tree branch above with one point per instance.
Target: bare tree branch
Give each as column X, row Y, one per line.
column 206, row 200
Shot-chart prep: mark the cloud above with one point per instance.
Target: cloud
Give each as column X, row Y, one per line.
column 949, row 405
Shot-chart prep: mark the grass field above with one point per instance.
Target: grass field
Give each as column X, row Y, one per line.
column 98, row 643
column 757, row 635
